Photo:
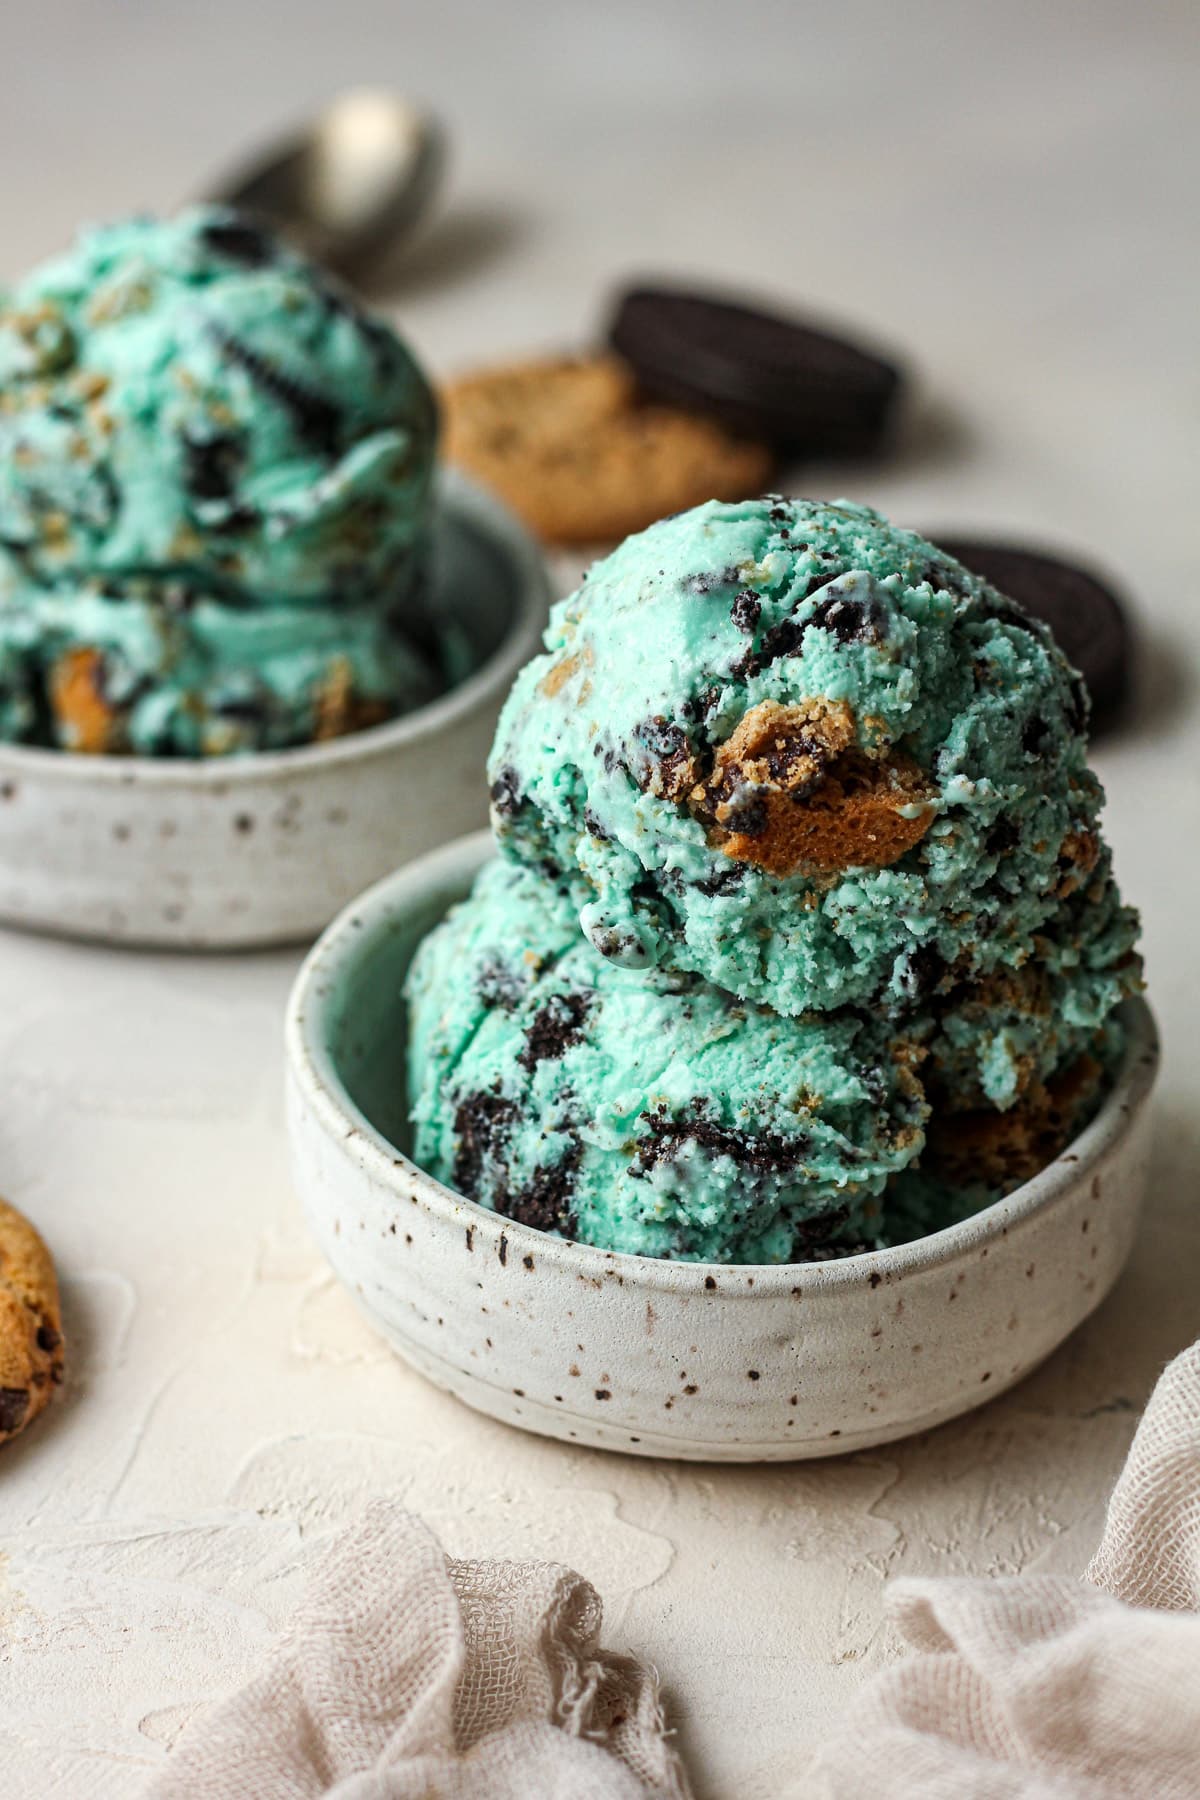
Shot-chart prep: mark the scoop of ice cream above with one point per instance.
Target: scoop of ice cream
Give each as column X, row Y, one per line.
column 998, row 1039
column 644, row 1112
column 214, row 495
column 803, row 753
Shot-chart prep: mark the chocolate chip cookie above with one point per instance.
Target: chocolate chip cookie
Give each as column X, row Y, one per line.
column 31, row 1340
column 571, row 446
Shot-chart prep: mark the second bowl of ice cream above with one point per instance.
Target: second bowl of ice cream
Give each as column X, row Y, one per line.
column 250, row 647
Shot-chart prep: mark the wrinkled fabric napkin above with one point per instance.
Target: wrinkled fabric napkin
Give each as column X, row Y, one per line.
column 1040, row 1688
column 407, row 1675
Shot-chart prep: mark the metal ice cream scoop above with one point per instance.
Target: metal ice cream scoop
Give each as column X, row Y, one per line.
column 352, row 185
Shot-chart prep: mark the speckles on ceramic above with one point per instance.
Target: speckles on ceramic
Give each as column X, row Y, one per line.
column 672, row 1359
column 266, row 848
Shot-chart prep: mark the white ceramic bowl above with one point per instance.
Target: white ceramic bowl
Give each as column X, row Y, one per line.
column 731, row 1364
column 266, row 849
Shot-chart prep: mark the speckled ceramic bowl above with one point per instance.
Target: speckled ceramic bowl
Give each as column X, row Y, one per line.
column 266, row 849
column 730, row 1364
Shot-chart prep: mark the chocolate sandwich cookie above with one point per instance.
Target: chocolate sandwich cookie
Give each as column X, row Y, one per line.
column 1088, row 620
column 803, row 390
column 31, row 1340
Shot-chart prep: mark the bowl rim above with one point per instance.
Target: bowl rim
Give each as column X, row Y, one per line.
column 459, row 495
column 319, row 1085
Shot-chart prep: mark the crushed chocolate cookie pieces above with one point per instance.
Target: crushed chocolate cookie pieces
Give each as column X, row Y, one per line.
column 764, row 1153
column 482, row 1123
column 317, row 420
column 849, row 618
column 237, row 237
column 212, row 465
column 505, row 793
column 746, row 611
column 545, row 1200
column 500, row 987
column 554, row 1029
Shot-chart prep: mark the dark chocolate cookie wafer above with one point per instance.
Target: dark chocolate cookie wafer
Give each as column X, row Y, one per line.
column 800, row 389
column 1087, row 618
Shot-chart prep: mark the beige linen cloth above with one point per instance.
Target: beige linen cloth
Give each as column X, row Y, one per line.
column 409, row 1675
column 1040, row 1688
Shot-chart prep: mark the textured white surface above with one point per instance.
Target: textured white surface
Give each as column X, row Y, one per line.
column 1008, row 193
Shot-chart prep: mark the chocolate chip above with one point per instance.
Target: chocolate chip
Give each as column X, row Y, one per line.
column 48, row 1339
column 554, row 1028
column 14, row 1404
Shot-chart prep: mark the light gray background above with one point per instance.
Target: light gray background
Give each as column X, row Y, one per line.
column 1007, row 192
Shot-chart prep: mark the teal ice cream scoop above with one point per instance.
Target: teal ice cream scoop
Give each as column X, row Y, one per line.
column 809, row 936
column 801, row 752
column 645, row 1112
column 214, row 498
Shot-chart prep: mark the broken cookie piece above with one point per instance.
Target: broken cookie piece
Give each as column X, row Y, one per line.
column 791, row 793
